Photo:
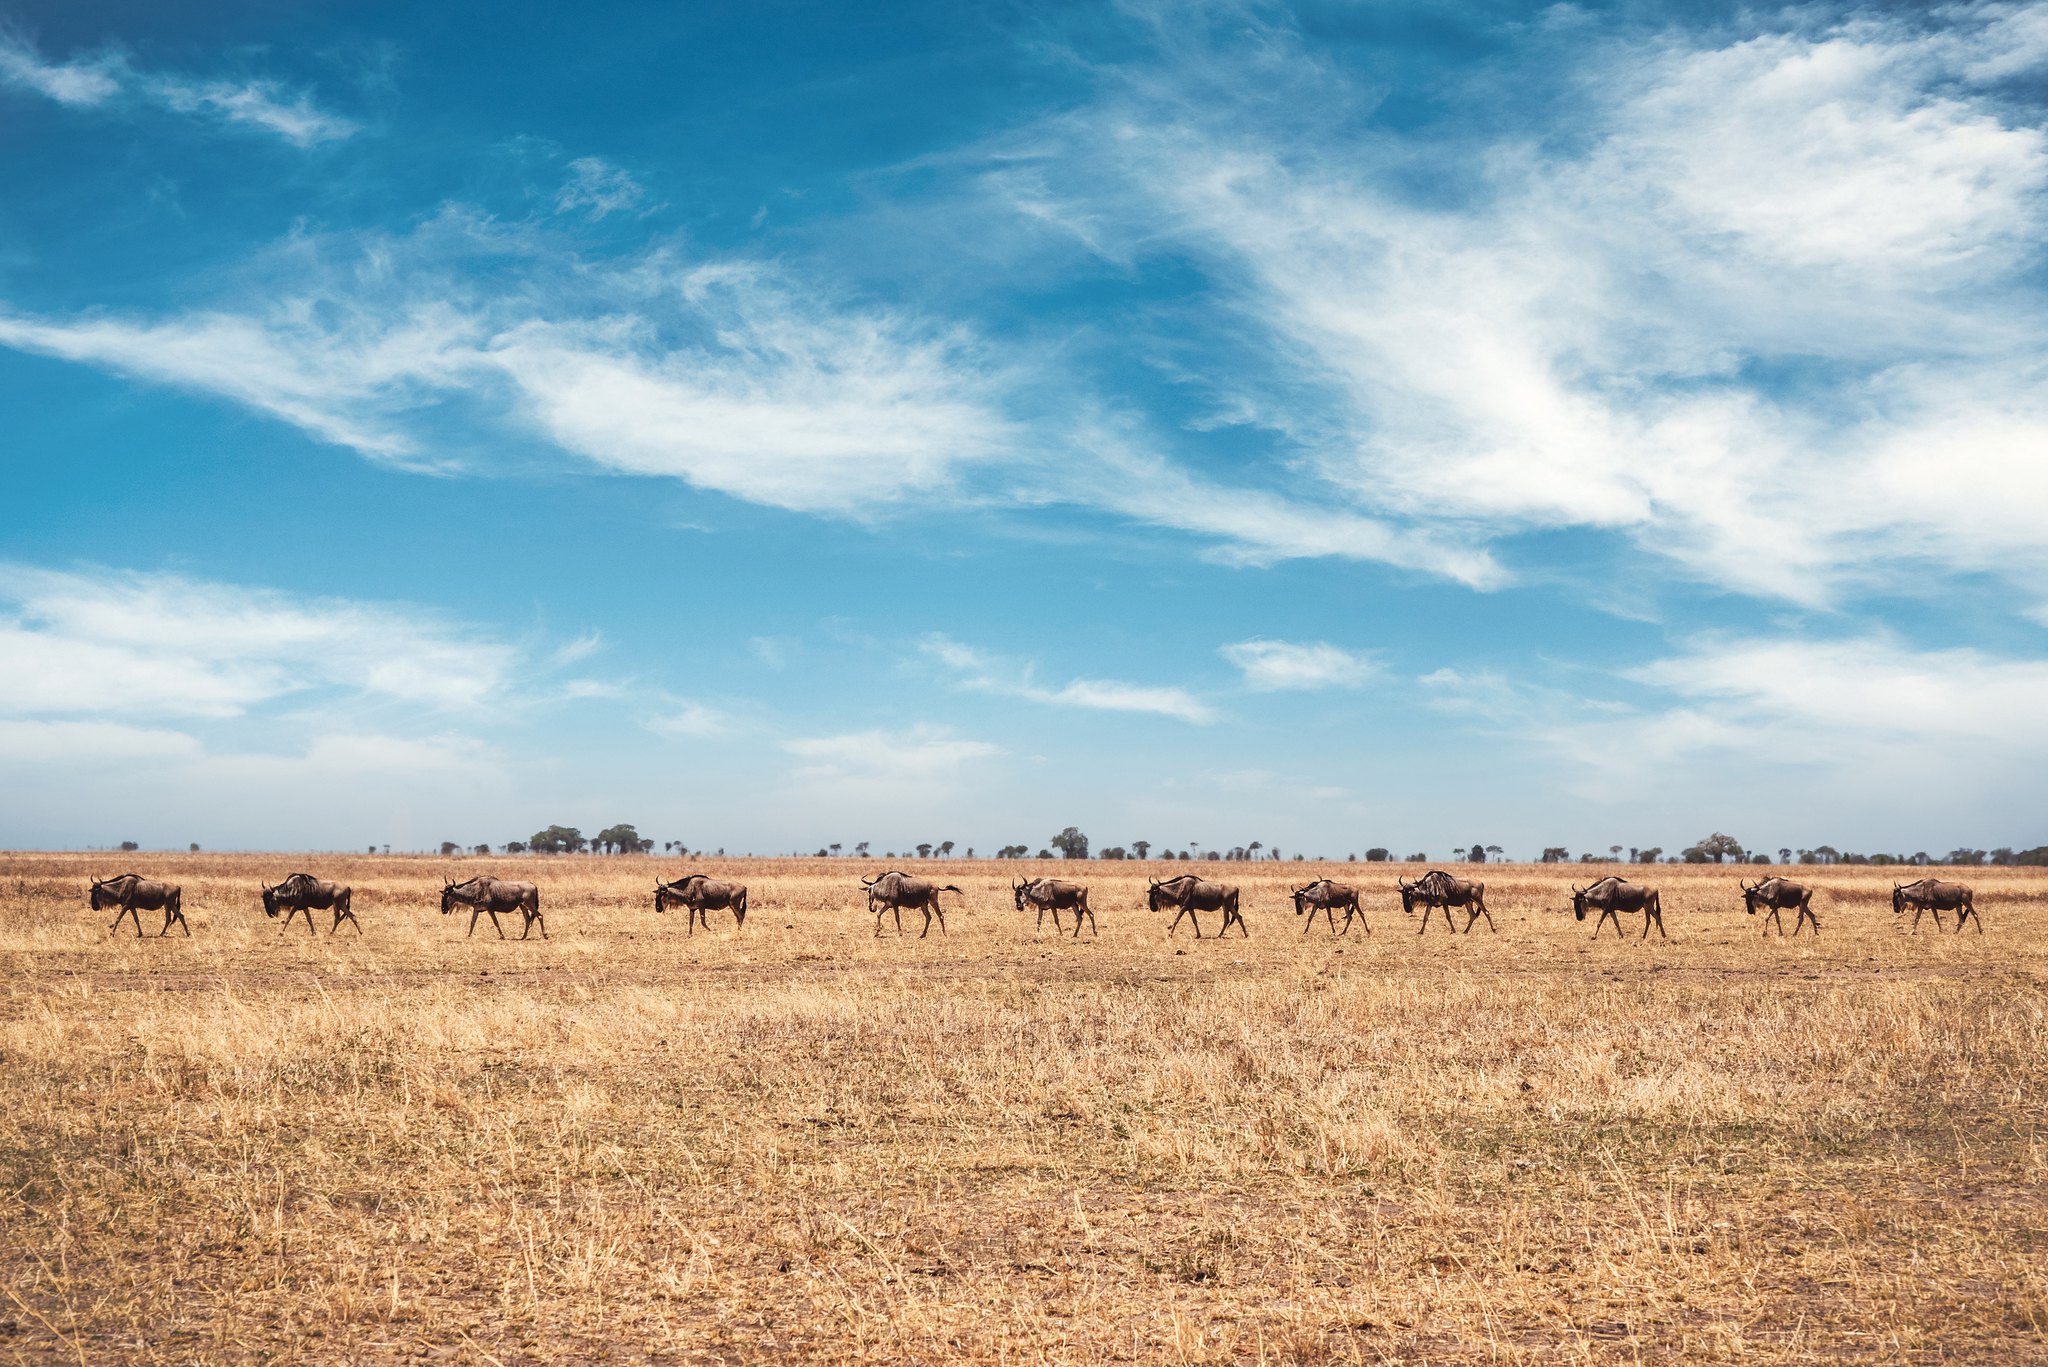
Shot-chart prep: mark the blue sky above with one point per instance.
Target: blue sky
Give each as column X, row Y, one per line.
column 775, row 425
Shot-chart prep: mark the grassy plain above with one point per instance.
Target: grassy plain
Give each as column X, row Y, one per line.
column 802, row 1142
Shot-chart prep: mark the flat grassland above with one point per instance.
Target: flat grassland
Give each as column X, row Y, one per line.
column 802, row 1142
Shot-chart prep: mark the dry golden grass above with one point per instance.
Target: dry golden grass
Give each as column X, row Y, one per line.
column 801, row 1142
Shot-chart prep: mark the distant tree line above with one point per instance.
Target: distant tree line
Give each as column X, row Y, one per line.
column 1073, row 843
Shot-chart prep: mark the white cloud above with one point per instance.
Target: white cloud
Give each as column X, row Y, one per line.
column 67, row 744
column 140, row 645
column 1779, row 692
column 259, row 103
column 345, row 383
column 691, row 719
column 1271, row 666
column 1738, row 301
column 72, row 83
column 919, row 754
column 726, row 377
column 985, row 674
column 791, row 405
column 599, row 187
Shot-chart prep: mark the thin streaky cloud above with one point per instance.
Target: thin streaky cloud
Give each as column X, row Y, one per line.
column 984, row 673
column 77, row 83
column 1275, row 666
column 258, row 103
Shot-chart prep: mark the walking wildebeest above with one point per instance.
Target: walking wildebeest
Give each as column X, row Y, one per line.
column 487, row 896
column 1929, row 895
column 1775, row 894
column 1325, row 896
column 302, row 892
column 1055, row 895
column 1614, row 895
column 894, row 891
column 701, row 894
column 1437, row 889
column 130, row 891
column 1192, row 894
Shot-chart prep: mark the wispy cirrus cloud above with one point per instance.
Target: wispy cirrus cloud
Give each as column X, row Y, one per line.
column 597, row 188
column 1274, row 666
column 257, row 103
column 984, row 673
column 114, row 644
column 921, row 753
column 1714, row 307
column 79, row 83
column 726, row 375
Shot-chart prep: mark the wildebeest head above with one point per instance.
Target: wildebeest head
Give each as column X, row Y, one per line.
column 1579, row 905
column 1301, row 895
column 1898, row 899
column 1408, row 894
column 103, row 893
column 1749, row 896
column 270, row 903
column 450, row 896
column 1017, row 894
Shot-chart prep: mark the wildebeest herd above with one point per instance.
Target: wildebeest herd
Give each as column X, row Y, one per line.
column 1187, row 895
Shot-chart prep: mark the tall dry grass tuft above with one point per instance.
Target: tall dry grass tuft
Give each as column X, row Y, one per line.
column 806, row 1142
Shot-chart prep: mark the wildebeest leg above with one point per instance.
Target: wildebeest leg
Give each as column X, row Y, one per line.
column 126, row 913
column 1606, row 912
column 492, row 912
column 899, row 920
column 1242, row 928
column 1427, row 907
column 1085, row 909
column 534, row 918
column 1658, row 912
column 474, row 912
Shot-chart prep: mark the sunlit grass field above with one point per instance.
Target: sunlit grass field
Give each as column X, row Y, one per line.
column 799, row 1141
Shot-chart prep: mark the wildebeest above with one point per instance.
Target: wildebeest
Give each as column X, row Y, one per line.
column 1775, row 894
column 487, row 896
column 1437, row 889
column 1055, row 895
column 1614, row 895
column 702, row 894
column 1928, row 895
column 1191, row 894
column 132, row 893
column 302, row 892
column 1325, row 896
column 894, row 891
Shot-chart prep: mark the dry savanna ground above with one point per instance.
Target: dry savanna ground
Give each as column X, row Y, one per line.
column 801, row 1142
